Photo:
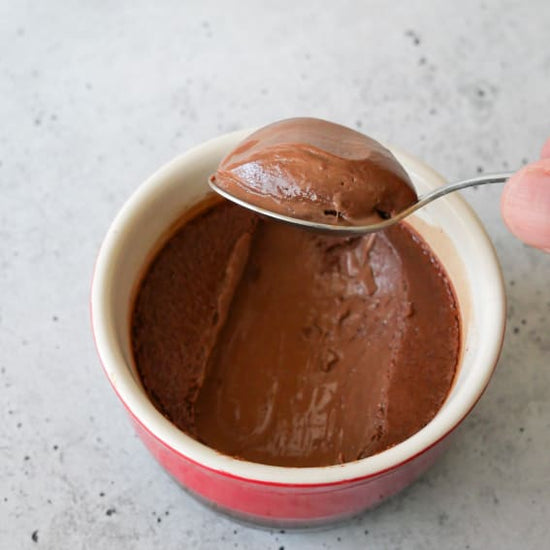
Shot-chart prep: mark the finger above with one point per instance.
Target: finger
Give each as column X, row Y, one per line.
column 545, row 153
column 525, row 204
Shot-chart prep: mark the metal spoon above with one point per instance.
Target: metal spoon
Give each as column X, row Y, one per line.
column 344, row 230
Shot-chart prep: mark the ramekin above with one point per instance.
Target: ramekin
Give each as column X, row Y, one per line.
column 273, row 495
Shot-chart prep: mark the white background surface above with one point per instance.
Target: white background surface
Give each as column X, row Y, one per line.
column 95, row 96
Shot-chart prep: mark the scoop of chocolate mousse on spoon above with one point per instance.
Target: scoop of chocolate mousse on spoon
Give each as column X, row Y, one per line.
column 325, row 177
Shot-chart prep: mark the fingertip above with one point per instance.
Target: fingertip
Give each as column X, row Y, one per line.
column 525, row 204
column 545, row 153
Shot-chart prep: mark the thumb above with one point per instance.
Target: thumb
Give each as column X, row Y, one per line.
column 525, row 203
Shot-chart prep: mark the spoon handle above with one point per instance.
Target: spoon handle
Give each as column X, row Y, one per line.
column 442, row 191
column 478, row 180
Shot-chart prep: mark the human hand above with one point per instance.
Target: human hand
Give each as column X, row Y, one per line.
column 525, row 202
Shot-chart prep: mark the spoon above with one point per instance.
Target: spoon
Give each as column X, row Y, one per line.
column 345, row 230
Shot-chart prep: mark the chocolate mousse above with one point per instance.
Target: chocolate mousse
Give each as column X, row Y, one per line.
column 316, row 170
column 280, row 346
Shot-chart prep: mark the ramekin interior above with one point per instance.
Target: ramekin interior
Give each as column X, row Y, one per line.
column 448, row 225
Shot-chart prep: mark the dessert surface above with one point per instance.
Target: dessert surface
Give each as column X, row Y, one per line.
column 281, row 346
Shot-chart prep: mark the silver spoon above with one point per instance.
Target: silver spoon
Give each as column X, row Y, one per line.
column 344, row 230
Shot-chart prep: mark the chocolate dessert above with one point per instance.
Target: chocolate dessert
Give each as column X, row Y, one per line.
column 316, row 170
column 280, row 346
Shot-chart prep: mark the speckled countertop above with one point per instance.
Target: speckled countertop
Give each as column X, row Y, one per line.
column 94, row 96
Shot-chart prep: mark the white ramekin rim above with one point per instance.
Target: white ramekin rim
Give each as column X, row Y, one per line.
column 140, row 407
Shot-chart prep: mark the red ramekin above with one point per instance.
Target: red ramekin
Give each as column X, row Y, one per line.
column 273, row 495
